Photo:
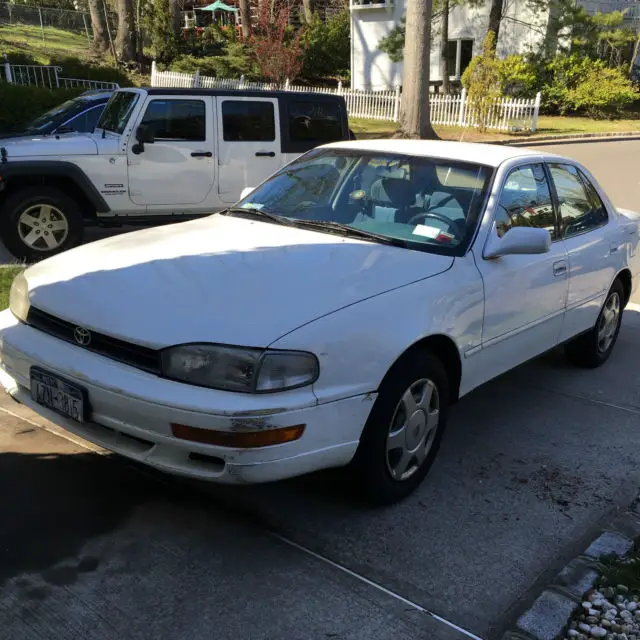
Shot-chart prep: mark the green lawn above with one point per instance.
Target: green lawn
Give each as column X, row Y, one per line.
column 7, row 274
column 27, row 40
column 547, row 125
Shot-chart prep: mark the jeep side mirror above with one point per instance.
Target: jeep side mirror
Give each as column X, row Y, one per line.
column 144, row 135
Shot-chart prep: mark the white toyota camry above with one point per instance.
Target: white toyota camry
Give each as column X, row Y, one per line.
column 330, row 318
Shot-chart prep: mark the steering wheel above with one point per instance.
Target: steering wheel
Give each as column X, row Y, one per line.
column 438, row 216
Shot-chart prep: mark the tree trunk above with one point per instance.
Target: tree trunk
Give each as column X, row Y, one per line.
column 245, row 18
column 414, row 118
column 98, row 26
column 495, row 17
column 176, row 6
column 444, row 48
column 307, row 6
column 126, row 38
column 634, row 55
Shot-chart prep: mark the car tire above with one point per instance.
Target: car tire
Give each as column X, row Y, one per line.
column 416, row 385
column 39, row 222
column 593, row 348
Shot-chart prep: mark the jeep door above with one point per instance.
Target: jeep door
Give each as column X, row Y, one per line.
column 176, row 167
column 249, row 145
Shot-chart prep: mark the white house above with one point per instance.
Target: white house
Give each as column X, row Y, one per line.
column 521, row 30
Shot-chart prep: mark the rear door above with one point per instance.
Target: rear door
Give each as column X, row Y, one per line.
column 249, row 145
column 593, row 245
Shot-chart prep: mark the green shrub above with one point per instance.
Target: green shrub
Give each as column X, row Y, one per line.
column 482, row 80
column 19, row 105
column 238, row 61
column 327, row 47
column 580, row 85
column 604, row 93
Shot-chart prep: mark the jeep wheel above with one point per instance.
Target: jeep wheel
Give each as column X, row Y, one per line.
column 39, row 222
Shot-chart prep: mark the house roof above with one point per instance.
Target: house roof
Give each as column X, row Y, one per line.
column 486, row 154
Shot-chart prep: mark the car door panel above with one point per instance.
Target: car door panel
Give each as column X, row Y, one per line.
column 181, row 154
column 249, row 145
column 593, row 244
column 525, row 295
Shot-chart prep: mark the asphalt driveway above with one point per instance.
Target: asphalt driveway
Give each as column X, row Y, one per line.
column 92, row 547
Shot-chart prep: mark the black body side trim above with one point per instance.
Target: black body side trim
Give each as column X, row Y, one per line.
column 51, row 168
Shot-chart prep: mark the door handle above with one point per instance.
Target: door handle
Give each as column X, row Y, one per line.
column 559, row 268
column 201, row 154
column 614, row 248
column 263, row 154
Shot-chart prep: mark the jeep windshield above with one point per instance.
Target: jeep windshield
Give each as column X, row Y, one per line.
column 424, row 203
column 116, row 114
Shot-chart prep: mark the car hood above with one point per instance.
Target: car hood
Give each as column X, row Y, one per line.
column 65, row 144
column 218, row 279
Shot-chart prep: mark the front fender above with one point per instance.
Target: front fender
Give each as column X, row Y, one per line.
column 10, row 170
column 357, row 345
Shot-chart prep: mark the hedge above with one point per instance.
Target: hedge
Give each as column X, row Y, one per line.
column 19, row 105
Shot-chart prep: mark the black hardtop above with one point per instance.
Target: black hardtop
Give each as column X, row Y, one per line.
column 249, row 93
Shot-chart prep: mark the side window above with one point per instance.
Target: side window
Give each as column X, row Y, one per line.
column 245, row 121
column 180, row 120
column 85, row 122
column 581, row 209
column 314, row 122
column 526, row 201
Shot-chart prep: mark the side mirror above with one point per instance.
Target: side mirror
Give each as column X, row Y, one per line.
column 144, row 135
column 245, row 192
column 518, row 241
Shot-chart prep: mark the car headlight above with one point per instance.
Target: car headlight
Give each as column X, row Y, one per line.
column 19, row 298
column 238, row 369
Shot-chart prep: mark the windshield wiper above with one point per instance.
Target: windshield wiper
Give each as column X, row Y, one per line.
column 346, row 230
column 259, row 213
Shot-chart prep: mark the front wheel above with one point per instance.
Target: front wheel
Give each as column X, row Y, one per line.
column 593, row 348
column 402, row 436
column 39, row 222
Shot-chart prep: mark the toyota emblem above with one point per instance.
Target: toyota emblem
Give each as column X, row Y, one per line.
column 82, row 336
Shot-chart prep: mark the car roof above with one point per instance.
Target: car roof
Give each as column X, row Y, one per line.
column 486, row 154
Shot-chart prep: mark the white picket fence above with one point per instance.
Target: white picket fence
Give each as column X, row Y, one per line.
column 507, row 114
column 49, row 77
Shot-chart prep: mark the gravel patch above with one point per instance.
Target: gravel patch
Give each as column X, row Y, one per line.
column 611, row 612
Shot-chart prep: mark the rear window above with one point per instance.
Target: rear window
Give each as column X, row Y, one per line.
column 313, row 122
column 248, row 121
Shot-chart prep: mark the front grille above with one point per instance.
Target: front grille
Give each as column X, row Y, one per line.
column 120, row 350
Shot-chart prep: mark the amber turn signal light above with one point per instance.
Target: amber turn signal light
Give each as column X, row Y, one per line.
column 238, row 439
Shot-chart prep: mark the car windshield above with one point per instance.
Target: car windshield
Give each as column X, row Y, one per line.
column 116, row 114
column 425, row 203
column 57, row 116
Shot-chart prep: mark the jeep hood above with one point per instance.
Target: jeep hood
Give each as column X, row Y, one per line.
column 37, row 146
column 218, row 279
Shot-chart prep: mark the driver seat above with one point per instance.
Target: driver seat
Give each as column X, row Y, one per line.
column 391, row 199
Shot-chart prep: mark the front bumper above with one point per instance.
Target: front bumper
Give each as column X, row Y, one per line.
column 131, row 414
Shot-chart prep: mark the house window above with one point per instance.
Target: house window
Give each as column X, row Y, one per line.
column 460, row 53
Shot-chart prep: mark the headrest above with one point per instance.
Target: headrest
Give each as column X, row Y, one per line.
column 393, row 191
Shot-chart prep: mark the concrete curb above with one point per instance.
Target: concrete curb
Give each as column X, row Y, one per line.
column 573, row 138
column 549, row 615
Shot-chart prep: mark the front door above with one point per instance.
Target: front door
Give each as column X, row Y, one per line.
column 525, row 295
column 249, row 143
column 178, row 167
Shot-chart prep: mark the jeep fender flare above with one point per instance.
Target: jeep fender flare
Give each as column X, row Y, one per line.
column 52, row 169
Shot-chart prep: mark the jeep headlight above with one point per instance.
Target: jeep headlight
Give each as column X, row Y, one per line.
column 19, row 298
column 239, row 369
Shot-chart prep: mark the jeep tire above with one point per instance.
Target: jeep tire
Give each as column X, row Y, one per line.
column 39, row 222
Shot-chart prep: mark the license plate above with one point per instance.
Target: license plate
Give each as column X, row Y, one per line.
column 58, row 395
